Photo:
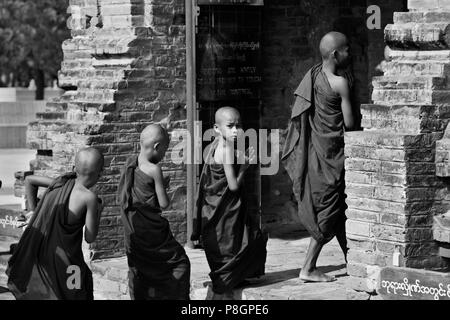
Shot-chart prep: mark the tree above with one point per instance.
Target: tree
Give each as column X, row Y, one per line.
column 31, row 34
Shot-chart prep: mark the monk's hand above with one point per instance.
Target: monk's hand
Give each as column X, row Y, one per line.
column 166, row 181
column 250, row 157
column 100, row 206
column 25, row 219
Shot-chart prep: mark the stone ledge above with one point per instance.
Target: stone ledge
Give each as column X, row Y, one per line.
column 418, row 35
column 415, row 68
column 412, row 119
column 428, row 5
column 417, row 55
column 421, row 17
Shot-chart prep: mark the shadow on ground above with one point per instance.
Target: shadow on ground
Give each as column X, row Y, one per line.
column 285, row 275
column 286, row 231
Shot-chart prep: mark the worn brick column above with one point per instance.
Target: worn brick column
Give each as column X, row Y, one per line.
column 124, row 67
column 392, row 187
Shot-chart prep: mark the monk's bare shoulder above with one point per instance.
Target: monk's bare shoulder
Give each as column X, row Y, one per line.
column 80, row 199
column 341, row 85
column 150, row 169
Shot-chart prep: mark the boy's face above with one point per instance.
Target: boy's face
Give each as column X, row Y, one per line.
column 343, row 56
column 95, row 175
column 229, row 127
column 154, row 151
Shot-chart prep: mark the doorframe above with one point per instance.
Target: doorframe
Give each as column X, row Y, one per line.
column 192, row 11
column 191, row 113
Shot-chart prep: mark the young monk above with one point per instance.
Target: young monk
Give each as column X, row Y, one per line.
column 234, row 244
column 314, row 151
column 158, row 265
column 48, row 262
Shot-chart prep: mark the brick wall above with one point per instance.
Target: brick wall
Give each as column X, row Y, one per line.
column 292, row 32
column 392, row 187
column 124, row 67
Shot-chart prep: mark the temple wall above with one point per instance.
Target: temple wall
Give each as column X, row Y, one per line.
column 394, row 189
column 124, row 68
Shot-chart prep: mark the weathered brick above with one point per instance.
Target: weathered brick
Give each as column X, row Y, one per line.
column 360, row 243
column 368, row 258
column 358, row 228
column 390, row 233
column 361, row 215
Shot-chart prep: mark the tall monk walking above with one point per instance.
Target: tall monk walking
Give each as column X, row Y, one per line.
column 314, row 150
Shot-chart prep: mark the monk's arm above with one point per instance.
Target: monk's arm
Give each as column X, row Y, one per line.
column 160, row 189
column 32, row 184
column 346, row 105
column 93, row 214
column 235, row 182
column 232, row 180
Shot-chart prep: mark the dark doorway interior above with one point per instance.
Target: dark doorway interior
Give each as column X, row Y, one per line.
column 228, row 73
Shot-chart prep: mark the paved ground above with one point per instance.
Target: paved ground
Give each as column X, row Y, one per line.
column 286, row 253
column 12, row 160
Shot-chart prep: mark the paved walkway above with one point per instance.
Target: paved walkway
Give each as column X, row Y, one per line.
column 286, row 253
column 11, row 161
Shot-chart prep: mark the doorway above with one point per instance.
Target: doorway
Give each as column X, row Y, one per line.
column 228, row 72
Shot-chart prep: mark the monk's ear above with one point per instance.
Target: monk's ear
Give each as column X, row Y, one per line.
column 216, row 128
column 334, row 55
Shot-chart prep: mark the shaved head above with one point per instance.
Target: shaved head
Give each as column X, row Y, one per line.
column 226, row 113
column 88, row 161
column 330, row 42
column 155, row 133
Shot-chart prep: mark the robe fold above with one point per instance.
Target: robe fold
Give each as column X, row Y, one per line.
column 158, row 265
column 234, row 244
column 313, row 156
column 48, row 262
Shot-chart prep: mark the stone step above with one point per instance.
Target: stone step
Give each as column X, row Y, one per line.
column 414, row 68
column 106, row 95
column 412, row 119
column 418, row 35
column 432, row 5
column 63, row 106
column 389, row 139
column 401, row 82
column 51, row 115
column 411, row 96
column 116, row 85
column 114, row 9
column 87, row 74
column 432, row 56
column 125, row 21
column 144, row 32
column 421, row 17
column 76, row 64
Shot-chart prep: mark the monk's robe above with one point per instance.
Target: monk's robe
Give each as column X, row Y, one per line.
column 48, row 262
column 158, row 265
column 234, row 245
column 314, row 156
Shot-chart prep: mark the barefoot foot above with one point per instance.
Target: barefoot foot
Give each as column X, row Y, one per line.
column 315, row 276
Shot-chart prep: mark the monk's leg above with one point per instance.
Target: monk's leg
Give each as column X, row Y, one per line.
column 341, row 237
column 309, row 271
